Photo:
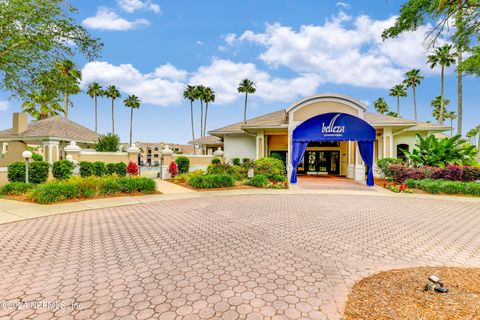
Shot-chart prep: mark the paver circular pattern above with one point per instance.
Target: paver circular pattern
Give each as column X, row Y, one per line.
column 235, row 257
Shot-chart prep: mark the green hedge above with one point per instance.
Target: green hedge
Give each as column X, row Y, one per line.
column 119, row 169
column 445, row 186
column 86, row 169
column 258, row 180
column 62, row 169
column 212, row 181
column 37, row 171
column 99, row 168
column 269, row 167
column 183, row 164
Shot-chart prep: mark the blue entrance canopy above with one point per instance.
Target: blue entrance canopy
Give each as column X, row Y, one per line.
column 334, row 126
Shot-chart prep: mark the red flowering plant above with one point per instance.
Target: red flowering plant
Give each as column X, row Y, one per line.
column 132, row 169
column 173, row 169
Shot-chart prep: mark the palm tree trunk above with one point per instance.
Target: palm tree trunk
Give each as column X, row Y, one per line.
column 398, row 106
column 201, row 118
column 96, row 114
column 414, row 103
column 459, row 93
column 205, row 122
column 451, row 126
column 440, row 116
column 131, row 124
column 65, row 104
column 245, row 108
column 193, row 127
column 113, row 117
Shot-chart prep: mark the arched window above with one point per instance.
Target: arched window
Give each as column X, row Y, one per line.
column 400, row 148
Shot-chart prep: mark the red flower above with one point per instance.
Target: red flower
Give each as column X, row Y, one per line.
column 173, row 169
column 132, row 169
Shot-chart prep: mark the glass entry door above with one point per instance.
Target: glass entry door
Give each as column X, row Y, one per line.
column 320, row 162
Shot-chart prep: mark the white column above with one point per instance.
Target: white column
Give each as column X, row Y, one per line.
column 49, row 145
column 260, row 145
column 1, row 149
column 350, row 160
column 289, row 152
column 359, row 174
column 387, row 144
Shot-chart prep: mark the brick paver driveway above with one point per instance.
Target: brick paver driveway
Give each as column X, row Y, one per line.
column 247, row 257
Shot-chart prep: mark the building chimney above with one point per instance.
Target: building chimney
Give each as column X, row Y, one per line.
column 19, row 122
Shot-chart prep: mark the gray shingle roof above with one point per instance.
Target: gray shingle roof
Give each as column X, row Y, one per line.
column 207, row 140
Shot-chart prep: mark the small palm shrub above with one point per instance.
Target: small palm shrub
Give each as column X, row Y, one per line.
column 108, row 143
column 62, row 169
column 120, row 169
column 99, row 168
column 183, row 164
column 86, row 169
column 209, row 181
column 15, row 188
column 258, row 180
column 269, row 167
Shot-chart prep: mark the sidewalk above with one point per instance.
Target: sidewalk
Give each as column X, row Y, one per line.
column 12, row 211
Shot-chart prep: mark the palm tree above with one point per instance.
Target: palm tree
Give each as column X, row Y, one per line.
column 69, row 80
column 412, row 81
column 200, row 92
column 189, row 93
column 246, row 86
column 472, row 134
column 42, row 105
column 452, row 116
column 209, row 97
column 392, row 114
column 132, row 102
column 398, row 91
column 94, row 91
column 438, row 104
column 113, row 93
column 381, row 105
column 444, row 57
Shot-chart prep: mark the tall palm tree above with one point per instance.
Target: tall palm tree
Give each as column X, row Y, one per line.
column 42, row 105
column 452, row 116
column 474, row 134
column 444, row 57
column 132, row 102
column 189, row 93
column 200, row 92
column 248, row 87
column 113, row 93
column 438, row 105
column 413, row 81
column 209, row 97
column 381, row 105
column 94, row 91
column 398, row 91
column 69, row 80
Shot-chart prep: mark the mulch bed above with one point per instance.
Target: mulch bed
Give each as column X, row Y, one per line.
column 399, row 294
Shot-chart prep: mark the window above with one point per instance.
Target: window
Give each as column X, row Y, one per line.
column 400, row 148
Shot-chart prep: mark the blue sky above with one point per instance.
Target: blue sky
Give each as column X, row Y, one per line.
column 291, row 49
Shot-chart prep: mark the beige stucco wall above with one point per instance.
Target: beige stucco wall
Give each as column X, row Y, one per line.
column 106, row 157
column 3, row 176
column 15, row 150
column 409, row 138
column 239, row 146
column 195, row 160
column 317, row 108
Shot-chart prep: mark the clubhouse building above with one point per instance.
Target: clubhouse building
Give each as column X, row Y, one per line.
column 326, row 134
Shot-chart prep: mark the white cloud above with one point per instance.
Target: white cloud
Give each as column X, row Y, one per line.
column 200, row 43
column 343, row 50
column 224, row 76
column 106, row 19
column 162, row 87
column 134, row 5
column 4, row 105
column 343, row 5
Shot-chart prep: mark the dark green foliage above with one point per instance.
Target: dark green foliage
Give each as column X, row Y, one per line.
column 109, row 186
column 236, row 161
column 108, row 143
column 183, row 164
column 37, row 157
column 269, row 167
column 137, row 184
column 38, row 171
column 15, row 188
column 86, row 169
column 258, row 180
column 219, row 168
column 54, row 191
column 246, row 162
column 16, row 171
column 276, row 156
column 279, row 178
column 212, row 181
column 444, row 186
column 119, row 169
column 62, row 169
column 239, row 172
column 384, row 164
column 216, row 161
column 99, row 168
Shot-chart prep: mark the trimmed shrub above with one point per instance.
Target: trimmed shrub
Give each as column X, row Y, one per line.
column 258, row 180
column 471, row 174
column 236, row 162
column 15, row 188
column 37, row 157
column 108, row 143
column 219, row 168
column 62, row 169
column 216, row 161
column 269, row 167
column 399, row 173
column 119, row 169
column 86, row 169
column 238, row 172
column 137, row 184
column 384, row 164
column 212, row 181
column 183, row 164
column 99, row 168
column 184, row 177
column 16, row 171
column 445, row 186
column 38, row 171
column 54, row 191
column 279, row 178
column 87, row 187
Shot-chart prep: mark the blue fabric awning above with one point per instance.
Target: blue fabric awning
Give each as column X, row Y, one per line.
column 334, row 127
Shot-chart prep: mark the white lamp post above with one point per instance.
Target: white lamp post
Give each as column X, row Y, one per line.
column 26, row 155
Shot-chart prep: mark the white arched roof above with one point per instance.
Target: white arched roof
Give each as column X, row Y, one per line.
column 331, row 97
